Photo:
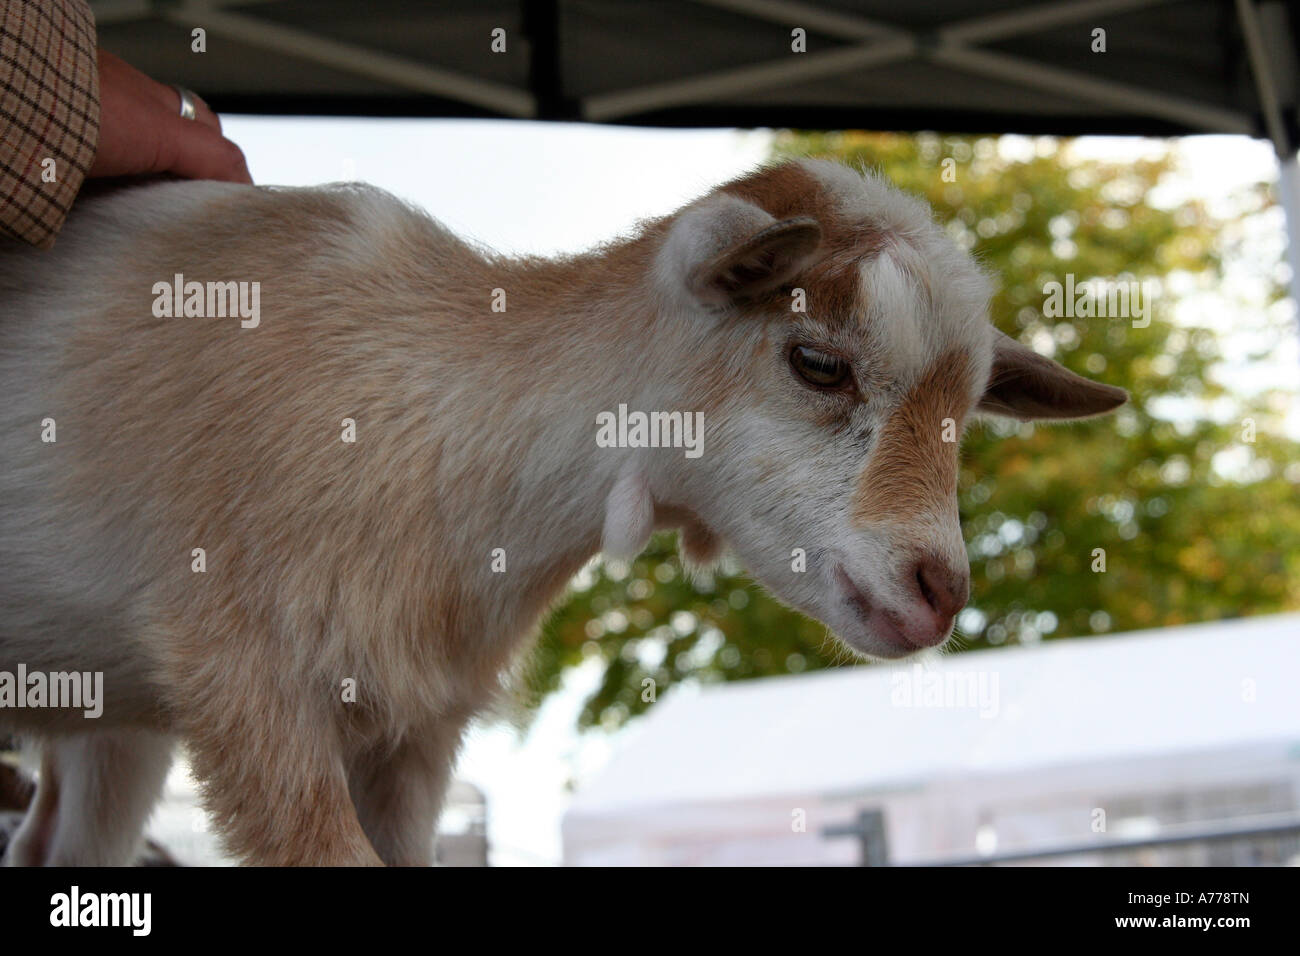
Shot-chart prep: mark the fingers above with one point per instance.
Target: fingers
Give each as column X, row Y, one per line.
column 202, row 112
column 204, row 115
column 142, row 130
column 200, row 156
column 195, row 150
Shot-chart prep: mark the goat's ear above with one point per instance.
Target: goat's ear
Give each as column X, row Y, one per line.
column 759, row 264
column 1027, row 386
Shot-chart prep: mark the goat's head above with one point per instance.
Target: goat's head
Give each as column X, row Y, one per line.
column 838, row 343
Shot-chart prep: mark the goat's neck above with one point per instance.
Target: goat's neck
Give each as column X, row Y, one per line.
column 586, row 350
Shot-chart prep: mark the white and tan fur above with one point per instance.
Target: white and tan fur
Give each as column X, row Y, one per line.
column 475, row 431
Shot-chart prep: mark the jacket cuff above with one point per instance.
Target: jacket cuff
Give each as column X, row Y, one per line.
column 49, row 113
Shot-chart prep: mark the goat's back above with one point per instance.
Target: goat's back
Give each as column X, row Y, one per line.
column 183, row 432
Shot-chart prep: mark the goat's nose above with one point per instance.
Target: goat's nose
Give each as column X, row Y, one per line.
column 944, row 588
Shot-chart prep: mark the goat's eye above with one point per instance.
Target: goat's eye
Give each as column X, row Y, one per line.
column 818, row 368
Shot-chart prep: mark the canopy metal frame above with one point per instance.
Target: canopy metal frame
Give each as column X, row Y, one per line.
column 960, row 46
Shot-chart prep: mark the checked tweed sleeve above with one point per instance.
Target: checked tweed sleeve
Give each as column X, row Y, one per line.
column 49, row 110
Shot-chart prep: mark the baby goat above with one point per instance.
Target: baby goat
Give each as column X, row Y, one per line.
column 184, row 509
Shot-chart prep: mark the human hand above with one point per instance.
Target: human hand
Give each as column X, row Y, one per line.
column 141, row 130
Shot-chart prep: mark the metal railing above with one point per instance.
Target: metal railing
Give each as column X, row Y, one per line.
column 869, row 829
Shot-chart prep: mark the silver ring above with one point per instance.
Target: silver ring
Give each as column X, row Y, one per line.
column 187, row 104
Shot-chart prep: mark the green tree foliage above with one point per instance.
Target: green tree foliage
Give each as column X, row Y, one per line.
column 1196, row 521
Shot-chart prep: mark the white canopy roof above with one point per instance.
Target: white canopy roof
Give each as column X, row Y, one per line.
column 1198, row 688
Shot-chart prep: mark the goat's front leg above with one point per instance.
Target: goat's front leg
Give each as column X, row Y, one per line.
column 398, row 792
column 283, row 802
column 274, row 778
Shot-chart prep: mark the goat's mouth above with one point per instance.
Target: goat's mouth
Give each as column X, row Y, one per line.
column 880, row 623
column 855, row 596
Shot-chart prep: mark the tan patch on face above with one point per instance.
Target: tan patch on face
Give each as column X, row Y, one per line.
column 913, row 471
